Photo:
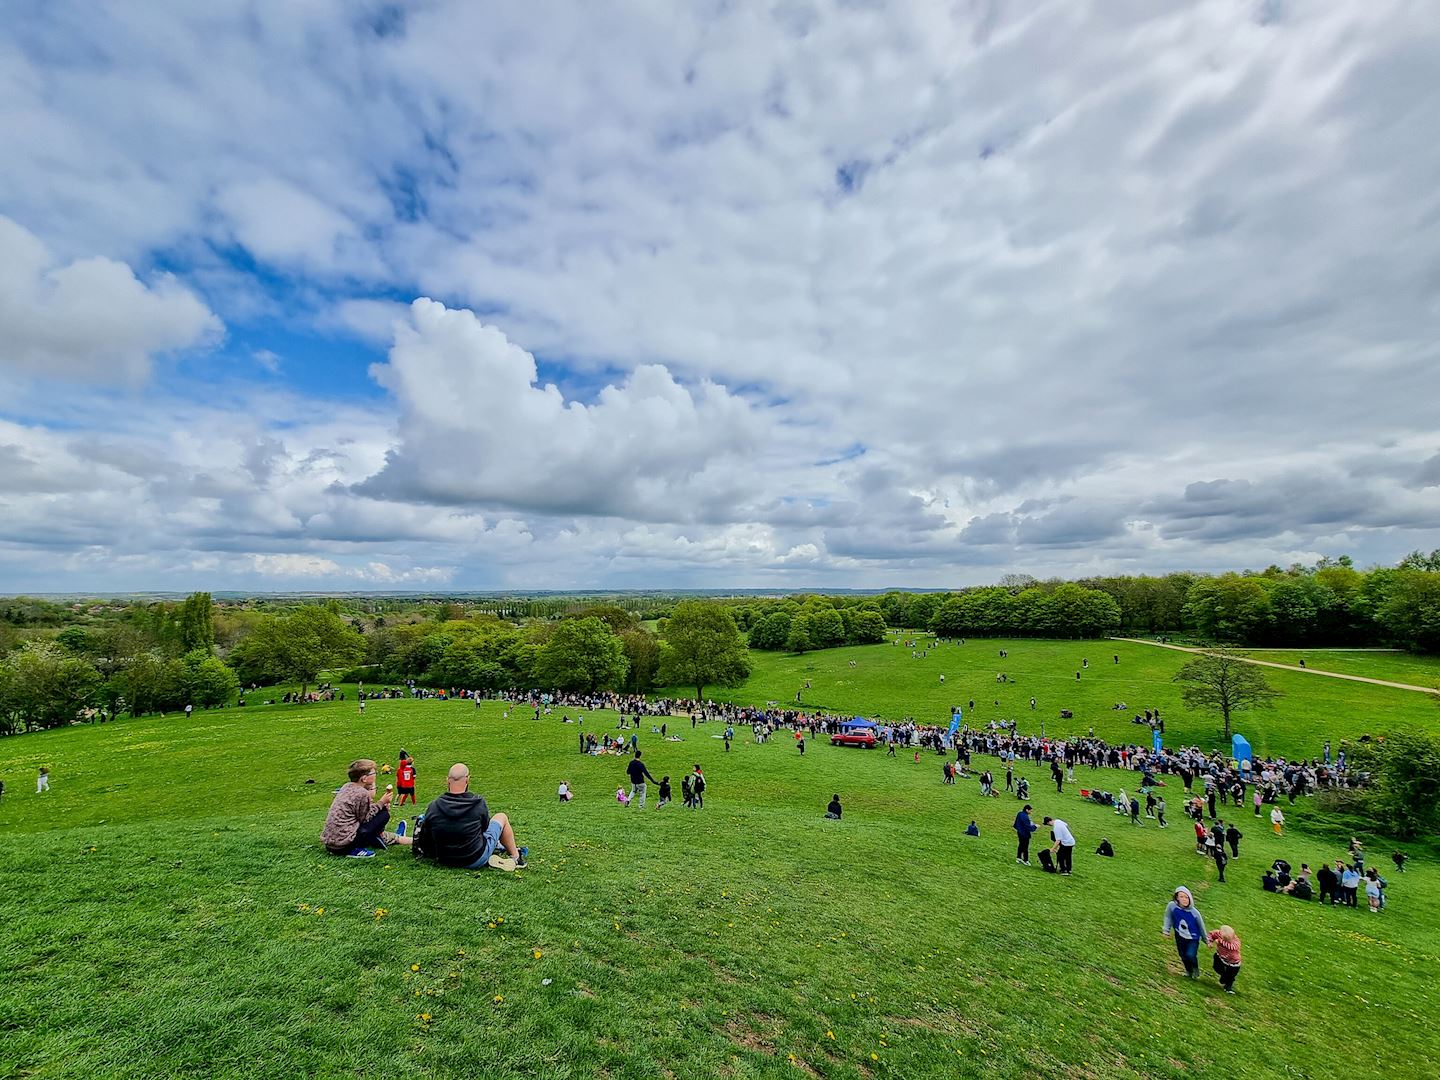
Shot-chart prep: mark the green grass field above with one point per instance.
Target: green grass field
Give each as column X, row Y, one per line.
column 1372, row 664
column 162, row 913
column 887, row 682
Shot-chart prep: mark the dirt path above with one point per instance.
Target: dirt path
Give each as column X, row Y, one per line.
column 1288, row 667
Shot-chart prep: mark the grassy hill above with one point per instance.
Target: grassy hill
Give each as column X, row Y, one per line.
column 886, row 681
column 162, row 910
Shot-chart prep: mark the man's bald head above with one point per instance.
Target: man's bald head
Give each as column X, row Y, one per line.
column 458, row 777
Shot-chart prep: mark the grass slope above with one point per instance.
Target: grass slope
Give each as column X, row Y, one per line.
column 1372, row 664
column 887, row 682
column 162, row 913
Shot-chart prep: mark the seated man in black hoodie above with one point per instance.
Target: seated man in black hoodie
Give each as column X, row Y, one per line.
column 457, row 830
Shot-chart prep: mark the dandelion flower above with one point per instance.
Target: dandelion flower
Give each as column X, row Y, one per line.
column 829, row 1034
column 414, row 967
column 499, row 999
column 538, row 954
column 874, row 1057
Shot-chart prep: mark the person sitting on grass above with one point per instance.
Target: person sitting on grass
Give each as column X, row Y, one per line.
column 356, row 821
column 833, row 811
column 457, row 829
column 1105, row 849
column 972, row 829
column 1300, row 888
column 1269, row 882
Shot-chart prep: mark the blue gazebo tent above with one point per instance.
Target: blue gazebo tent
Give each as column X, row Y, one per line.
column 1240, row 748
column 857, row 722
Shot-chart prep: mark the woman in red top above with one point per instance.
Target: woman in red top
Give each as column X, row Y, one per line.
column 405, row 779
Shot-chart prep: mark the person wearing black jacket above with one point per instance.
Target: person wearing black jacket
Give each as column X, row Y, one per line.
column 1232, row 837
column 638, row 775
column 1329, row 883
column 1024, row 828
column 458, row 830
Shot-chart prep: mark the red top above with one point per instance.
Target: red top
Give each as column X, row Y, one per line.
column 405, row 774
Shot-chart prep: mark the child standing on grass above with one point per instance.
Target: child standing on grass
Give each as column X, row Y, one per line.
column 1227, row 956
column 405, row 779
column 664, row 792
column 687, row 791
column 1277, row 820
column 42, row 782
column 1372, row 890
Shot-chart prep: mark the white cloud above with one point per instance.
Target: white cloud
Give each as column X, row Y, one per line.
column 476, row 427
column 91, row 318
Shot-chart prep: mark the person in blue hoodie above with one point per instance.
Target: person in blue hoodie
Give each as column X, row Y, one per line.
column 1024, row 828
column 1184, row 921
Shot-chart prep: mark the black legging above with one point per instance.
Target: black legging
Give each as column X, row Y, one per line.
column 1022, row 849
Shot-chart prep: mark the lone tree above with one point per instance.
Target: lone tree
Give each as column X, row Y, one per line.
column 1223, row 682
column 703, row 647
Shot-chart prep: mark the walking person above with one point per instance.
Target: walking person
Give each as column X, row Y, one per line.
column 1226, row 944
column 1277, row 820
column 638, row 774
column 1184, row 922
column 1160, row 811
column 697, row 784
column 1232, row 837
column 1024, row 829
column 42, row 781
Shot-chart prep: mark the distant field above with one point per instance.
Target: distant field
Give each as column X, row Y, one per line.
column 1391, row 666
column 888, row 682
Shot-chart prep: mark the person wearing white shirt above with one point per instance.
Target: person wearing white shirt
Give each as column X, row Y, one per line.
column 1064, row 846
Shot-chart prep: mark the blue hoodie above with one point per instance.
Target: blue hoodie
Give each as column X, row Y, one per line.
column 1186, row 922
column 1023, row 825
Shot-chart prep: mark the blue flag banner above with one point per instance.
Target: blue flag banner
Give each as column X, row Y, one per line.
column 954, row 721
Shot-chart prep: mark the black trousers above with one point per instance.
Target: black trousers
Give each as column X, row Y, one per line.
column 369, row 834
column 1067, row 855
column 1022, row 849
column 1227, row 972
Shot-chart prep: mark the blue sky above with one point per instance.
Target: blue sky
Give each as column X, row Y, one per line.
column 351, row 295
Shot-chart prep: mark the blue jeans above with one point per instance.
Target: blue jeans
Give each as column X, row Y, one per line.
column 1189, row 949
column 492, row 841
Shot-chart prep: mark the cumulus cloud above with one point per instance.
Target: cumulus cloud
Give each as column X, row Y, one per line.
column 91, row 318
column 477, row 427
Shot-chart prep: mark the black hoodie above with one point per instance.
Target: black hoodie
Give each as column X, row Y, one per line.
column 453, row 832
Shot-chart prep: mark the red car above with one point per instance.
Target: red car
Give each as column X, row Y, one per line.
column 855, row 737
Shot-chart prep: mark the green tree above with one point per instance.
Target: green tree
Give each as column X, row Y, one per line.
column 771, row 631
column 209, row 682
column 798, row 639
column 642, row 653
column 297, row 647
column 42, row 686
column 1404, row 789
column 197, row 623
column 867, row 628
column 1222, row 682
column 582, row 654
column 703, row 647
column 1411, row 612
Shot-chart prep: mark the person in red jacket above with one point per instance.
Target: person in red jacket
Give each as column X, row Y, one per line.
column 405, row 779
